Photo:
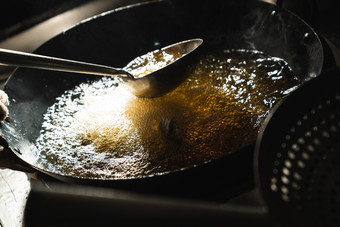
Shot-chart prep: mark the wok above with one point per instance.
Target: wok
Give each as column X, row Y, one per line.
column 116, row 37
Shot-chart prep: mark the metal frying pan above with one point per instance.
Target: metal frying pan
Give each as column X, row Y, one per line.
column 297, row 170
column 118, row 36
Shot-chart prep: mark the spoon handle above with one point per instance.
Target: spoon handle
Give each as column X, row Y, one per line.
column 28, row 60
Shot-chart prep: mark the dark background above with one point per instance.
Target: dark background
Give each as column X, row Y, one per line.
column 18, row 15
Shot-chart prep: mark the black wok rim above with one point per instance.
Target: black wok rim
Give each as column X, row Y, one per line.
column 151, row 175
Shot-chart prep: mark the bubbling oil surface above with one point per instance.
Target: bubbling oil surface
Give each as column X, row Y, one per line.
column 99, row 130
column 152, row 61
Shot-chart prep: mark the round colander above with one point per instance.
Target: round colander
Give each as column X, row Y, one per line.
column 298, row 155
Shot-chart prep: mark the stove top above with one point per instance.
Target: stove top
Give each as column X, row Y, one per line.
column 15, row 186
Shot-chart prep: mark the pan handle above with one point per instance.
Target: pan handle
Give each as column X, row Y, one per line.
column 75, row 205
column 8, row 160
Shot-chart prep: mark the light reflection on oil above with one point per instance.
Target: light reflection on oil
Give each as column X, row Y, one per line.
column 151, row 62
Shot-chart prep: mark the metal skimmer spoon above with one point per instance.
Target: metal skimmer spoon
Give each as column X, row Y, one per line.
column 156, row 80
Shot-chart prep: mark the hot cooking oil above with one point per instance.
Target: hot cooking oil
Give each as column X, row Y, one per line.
column 100, row 130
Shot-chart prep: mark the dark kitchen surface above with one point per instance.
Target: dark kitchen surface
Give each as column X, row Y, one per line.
column 24, row 25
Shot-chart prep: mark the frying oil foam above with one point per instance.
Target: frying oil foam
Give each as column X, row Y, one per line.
column 100, row 130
